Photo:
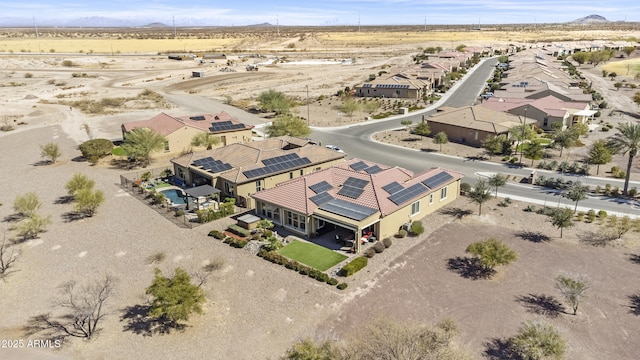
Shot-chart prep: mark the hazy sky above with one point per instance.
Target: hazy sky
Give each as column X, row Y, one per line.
column 325, row 12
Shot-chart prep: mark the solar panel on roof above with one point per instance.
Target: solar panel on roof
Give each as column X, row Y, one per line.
column 355, row 182
column 407, row 194
column 224, row 126
column 347, row 209
column 200, row 162
column 360, row 165
column 280, row 159
column 321, row 187
column 350, row 191
column 437, row 180
column 197, row 118
column 373, row 169
column 393, row 187
column 277, row 167
column 321, row 198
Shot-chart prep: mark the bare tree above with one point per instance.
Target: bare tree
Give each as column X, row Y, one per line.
column 7, row 258
column 573, row 289
column 83, row 310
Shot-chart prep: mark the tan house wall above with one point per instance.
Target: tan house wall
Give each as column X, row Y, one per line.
column 245, row 189
column 459, row 134
column 389, row 93
column 180, row 140
column 242, row 136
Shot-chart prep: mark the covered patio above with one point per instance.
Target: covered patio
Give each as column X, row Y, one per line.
column 204, row 196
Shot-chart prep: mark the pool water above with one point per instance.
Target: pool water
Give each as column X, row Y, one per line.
column 175, row 195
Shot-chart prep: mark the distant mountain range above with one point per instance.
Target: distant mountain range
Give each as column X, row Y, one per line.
column 100, row 21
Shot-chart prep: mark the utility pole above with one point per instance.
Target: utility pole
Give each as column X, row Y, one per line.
column 308, row 116
column 36, row 27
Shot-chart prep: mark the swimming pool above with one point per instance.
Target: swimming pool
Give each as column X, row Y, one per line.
column 175, row 195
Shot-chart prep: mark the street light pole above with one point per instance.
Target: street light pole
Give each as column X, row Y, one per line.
column 524, row 126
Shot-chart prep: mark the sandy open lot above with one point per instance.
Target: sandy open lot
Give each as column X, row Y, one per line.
column 254, row 309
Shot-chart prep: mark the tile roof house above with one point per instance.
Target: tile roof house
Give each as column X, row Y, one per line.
column 545, row 111
column 359, row 196
column 471, row 125
column 180, row 130
column 239, row 170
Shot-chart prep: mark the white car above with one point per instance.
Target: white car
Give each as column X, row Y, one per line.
column 334, row 148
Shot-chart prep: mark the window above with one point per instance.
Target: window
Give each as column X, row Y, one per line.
column 180, row 173
column 295, row 220
column 258, row 185
column 228, row 188
column 430, row 199
column 166, row 146
column 545, row 122
column 415, row 208
column 291, row 175
column 443, row 193
column 271, row 212
column 301, row 172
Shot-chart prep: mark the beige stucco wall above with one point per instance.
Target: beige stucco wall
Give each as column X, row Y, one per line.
column 459, row 134
column 180, row 140
column 390, row 224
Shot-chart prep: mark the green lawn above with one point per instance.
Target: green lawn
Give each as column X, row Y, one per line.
column 316, row 256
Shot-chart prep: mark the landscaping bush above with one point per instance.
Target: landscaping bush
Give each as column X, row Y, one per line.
column 238, row 243
column 370, row 252
column 580, row 216
column 506, row 158
column 465, row 187
column 602, row 214
column 332, row 281
column 378, row 247
column 417, row 228
column 530, row 208
column 632, row 192
column 95, row 149
column 268, row 233
column 387, row 242
column 591, row 215
column 401, row 234
column 355, row 265
column 342, row 286
column 238, row 230
column 179, row 213
column 217, row 234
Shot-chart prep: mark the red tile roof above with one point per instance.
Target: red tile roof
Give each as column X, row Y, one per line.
column 166, row 124
column 295, row 194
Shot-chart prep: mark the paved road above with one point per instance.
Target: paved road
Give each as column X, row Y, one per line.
column 357, row 141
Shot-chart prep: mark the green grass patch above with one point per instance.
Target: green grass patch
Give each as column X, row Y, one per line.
column 313, row 255
column 162, row 185
column 118, row 151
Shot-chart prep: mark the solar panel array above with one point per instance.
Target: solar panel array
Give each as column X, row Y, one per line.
column 286, row 162
column 392, row 86
column 279, row 159
column 224, row 126
column 360, row 165
column 321, row 198
column 211, row 165
column 350, row 191
column 393, row 187
column 320, row 187
column 407, row 194
column 355, row 182
column 347, row 209
column 373, row 169
column 197, row 118
column 437, row 180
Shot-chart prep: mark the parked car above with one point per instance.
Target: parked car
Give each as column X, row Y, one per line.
column 334, row 148
column 487, row 95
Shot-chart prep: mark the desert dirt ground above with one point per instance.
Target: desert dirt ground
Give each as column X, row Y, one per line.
column 254, row 309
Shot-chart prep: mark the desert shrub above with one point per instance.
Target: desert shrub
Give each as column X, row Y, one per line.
column 387, row 242
column 237, row 243
column 238, row 230
column 591, row 215
column 633, row 192
column 28, row 75
column 378, row 247
column 255, row 236
column 273, row 245
column 354, row 266
column 580, row 216
column 96, row 148
column 179, row 213
column 217, row 234
column 615, row 170
column 598, row 189
column 465, row 187
column 417, row 228
column 621, row 174
column 68, row 63
column 332, row 281
column 268, row 233
column 401, row 234
column 506, row 158
column 370, row 252
column 530, row 208
column 342, row 286
column 602, row 214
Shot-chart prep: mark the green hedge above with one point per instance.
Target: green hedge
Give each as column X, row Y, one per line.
column 355, row 265
column 302, row 269
column 237, row 243
column 238, row 230
column 217, row 234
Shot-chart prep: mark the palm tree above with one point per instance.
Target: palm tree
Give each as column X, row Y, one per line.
column 205, row 139
column 139, row 143
column 627, row 142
